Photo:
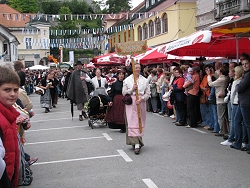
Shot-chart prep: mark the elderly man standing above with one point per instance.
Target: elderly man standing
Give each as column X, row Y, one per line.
column 77, row 90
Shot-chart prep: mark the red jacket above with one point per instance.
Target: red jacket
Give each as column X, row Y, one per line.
column 9, row 129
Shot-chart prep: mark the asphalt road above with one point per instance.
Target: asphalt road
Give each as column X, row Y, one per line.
column 72, row 155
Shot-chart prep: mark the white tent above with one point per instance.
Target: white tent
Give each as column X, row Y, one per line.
column 38, row 67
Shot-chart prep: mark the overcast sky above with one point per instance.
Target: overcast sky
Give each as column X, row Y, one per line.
column 136, row 2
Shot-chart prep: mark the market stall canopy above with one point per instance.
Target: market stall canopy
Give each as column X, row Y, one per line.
column 38, row 67
column 153, row 56
column 109, row 59
column 89, row 65
column 207, row 44
column 239, row 27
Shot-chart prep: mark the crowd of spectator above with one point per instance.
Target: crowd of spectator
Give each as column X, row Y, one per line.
column 214, row 96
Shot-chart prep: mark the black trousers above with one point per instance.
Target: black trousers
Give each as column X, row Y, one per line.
column 193, row 108
column 182, row 109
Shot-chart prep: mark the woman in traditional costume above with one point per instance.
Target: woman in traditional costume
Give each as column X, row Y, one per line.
column 134, row 137
column 45, row 99
column 115, row 114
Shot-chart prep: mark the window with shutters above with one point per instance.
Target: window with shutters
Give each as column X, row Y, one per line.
column 157, row 26
column 28, row 42
column 145, row 31
column 165, row 23
column 151, row 28
column 140, row 33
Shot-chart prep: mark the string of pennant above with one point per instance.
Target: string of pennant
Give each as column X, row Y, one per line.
column 92, row 30
column 24, row 16
column 83, row 45
column 86, row 43
column 78, row 32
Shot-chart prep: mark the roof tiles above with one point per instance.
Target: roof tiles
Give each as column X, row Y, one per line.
column 11, row 18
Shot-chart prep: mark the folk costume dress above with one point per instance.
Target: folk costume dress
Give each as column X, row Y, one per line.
column 115, row 114
column 45, row 99
column 131, row 120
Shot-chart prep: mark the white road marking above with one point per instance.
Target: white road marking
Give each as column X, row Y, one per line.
column 149, row 183
column 198, row 130
column 45, row 120
column 107, row 136
column 79, row 159
column 124, row 155
column 53, row 113
column 156, row 114
column 68, row 140
column 50, row 129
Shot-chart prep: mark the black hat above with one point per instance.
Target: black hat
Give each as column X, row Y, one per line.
column 70, row 68
column 78, row 63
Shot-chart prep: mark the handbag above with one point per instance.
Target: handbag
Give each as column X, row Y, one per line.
column 127, row 99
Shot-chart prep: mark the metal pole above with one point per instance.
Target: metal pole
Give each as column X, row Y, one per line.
column 237, row 49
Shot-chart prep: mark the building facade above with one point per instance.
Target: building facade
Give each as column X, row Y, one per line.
column 33, row 35
column 209, row 12
column 165, row 21
column 127, row 33
column 34, row 43
column 8, row 46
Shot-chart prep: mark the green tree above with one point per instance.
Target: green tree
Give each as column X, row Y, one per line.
column 51, row 7
column 24, row 6
column 65, row 24
column 64, row 10
column 77, row 7
column 117, row 6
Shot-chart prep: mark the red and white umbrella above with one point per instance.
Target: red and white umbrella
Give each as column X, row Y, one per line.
column 207, row 44
column 153, row 56
column 109, row 59
column 89, row 65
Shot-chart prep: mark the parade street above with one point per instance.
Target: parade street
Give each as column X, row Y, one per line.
column 72, row 155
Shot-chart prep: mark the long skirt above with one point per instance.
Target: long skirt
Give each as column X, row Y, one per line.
column 132, row 123
column 45, row 100
column 115, row 114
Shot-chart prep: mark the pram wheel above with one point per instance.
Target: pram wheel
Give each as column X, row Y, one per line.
column 90, row 123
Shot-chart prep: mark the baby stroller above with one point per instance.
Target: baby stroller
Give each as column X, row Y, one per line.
column 97, row 109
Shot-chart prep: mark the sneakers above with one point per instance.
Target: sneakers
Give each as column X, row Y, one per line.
column 172, row 116
column 226, row 143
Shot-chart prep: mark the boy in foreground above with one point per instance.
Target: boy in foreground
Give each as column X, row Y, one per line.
column 9, row 85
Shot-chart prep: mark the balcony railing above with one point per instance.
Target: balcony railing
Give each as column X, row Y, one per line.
column 231, row 7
